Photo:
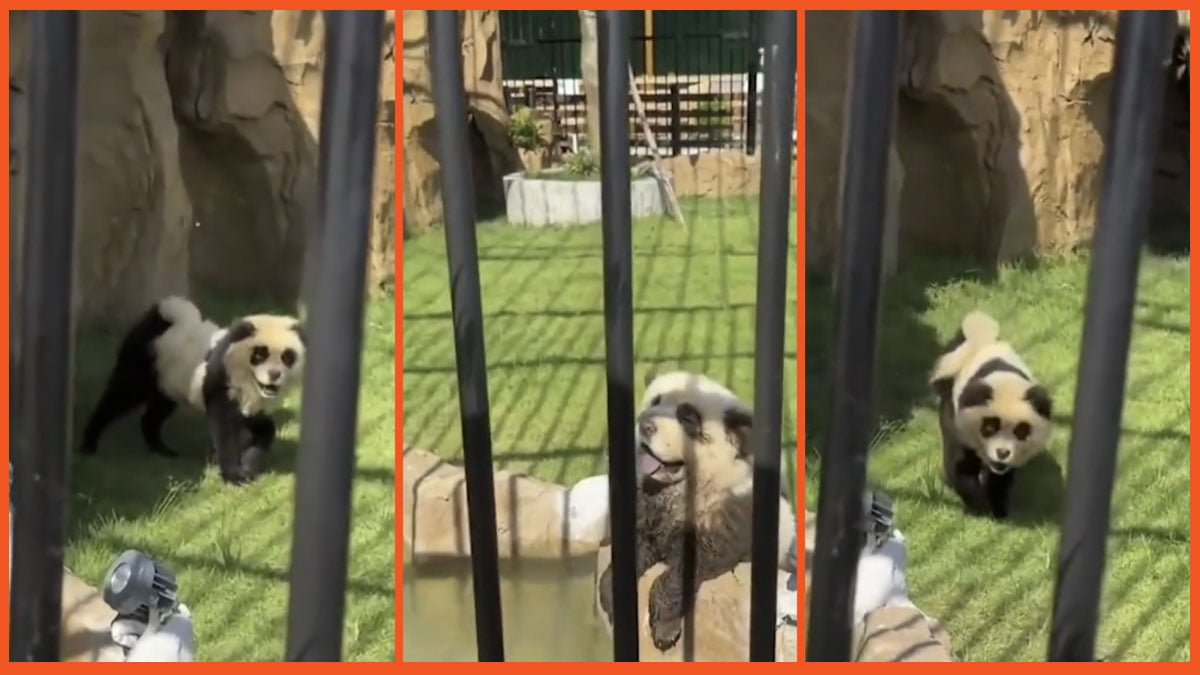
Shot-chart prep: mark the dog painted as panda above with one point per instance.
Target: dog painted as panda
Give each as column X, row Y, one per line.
column 994, row 416
column 695, row 480
column 679, row 386
column 236, row 376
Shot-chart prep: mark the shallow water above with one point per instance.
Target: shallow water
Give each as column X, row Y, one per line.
column 548, row 611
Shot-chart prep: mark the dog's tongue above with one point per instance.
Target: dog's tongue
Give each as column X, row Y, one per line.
column 647, row 464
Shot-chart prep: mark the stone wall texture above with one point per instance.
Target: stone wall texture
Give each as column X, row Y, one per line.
column 492, row 155
column 1001, row 125
column 198, row 153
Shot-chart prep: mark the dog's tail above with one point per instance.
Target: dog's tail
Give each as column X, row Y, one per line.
column 978, row 329
column 178, row 310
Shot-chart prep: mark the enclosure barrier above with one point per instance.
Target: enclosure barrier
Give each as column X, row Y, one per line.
column 458, row 202
column 612, row 31
column 44, row 345
column 1142, row 45
column 445, row 64
column 844, row 465
column 670, row 52
column 779, row 114
column 328, row 426
column 1143, row 40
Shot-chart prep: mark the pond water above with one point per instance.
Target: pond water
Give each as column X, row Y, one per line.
column 548, row 611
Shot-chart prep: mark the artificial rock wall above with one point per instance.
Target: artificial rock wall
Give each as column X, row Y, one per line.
column 1001, row 127
column 492, row 155
column 198, row 153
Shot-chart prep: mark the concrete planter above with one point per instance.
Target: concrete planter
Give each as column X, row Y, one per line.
column 541, row 201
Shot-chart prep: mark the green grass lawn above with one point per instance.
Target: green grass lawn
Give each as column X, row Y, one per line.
column 543, row 312
column 230, row 547
column 991, row 584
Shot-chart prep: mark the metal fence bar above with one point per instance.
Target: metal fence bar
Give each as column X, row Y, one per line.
column 755, row 38
column 43, row 430
column 613, row 48
column 844, row 463
column 445, row 61
column 1143, row 40
column 779, row 114
column 325, row 461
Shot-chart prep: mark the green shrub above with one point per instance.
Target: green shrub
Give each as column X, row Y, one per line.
column 524, row 131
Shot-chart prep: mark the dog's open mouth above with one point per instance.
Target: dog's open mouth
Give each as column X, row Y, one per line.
column 652, row 466
column 268, row 390
column 998, row 468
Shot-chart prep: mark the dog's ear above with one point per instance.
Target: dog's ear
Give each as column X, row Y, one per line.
column 943, row 386
column 1039, row 399
column 299, row 331
column 974, row 394
column 240, row 330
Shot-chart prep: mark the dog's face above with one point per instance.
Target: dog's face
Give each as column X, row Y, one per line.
column 1006, row 417
column 266, row 354
column 711, row 443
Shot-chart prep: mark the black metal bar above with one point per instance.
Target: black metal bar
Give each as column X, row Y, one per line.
column 613, row 47
column 325, row 461
column 1143, row 41
column 676, row 121
column 779, row 107
column 43, row 431
column 752, row 42
column 844, row 463
column 445, row 60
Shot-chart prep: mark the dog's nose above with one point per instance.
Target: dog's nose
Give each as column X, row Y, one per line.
column 647, row 428
column 274, row 374
column 1003, row 453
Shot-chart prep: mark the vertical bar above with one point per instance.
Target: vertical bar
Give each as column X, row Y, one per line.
column 779, row 105
column 676, row 121
column 613, row 46
column 1143, row 40
column 648, row 44
column 458, row 201
column 844, row 464
column 325, row 461
column 43, row 430
column 752, row 82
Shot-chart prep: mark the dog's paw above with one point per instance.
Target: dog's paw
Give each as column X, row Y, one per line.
column 665, row 632
column 665, row 626
column 235, row 477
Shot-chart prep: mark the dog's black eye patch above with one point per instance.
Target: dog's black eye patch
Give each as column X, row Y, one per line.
column 738, row 425
column 1022, row 430
column 288, row 357
column 259, row 354
column 989, row 426
column 689, row 418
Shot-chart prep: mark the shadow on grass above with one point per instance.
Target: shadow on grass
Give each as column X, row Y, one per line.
column 1038, row 494
column 543, row 298
column 907, row 346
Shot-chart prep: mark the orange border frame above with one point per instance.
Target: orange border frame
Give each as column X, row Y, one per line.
column 399, row 363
